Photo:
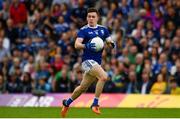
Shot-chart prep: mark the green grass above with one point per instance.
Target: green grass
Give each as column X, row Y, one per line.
column 53, row 112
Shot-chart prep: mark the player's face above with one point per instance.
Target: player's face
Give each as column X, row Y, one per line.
column 92, row 19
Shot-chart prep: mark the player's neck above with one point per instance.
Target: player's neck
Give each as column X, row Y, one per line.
column 95, row 26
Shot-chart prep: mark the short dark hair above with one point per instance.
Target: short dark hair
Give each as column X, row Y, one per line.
column 93, row 10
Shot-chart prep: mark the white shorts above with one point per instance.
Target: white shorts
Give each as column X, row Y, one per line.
column 88, row 64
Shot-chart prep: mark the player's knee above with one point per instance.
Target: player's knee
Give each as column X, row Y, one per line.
column 83, row 88
column 104, row 78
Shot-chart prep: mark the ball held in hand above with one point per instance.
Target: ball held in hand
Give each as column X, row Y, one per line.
column 99, row 44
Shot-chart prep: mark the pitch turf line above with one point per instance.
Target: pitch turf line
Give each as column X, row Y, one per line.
column 53, row 112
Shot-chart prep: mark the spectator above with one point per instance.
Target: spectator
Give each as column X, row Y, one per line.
column 119, row 78
column 63, row 42
column 2, row 21
column 177, row 73
column 61, row 26
column 147, row 6
column 32, row 32
column 151, row 38
column 175, row 90
column 27, row 45
column 172, row 15
column 139, row 65
column 149, row 26
column 66, row 12
column 162, row 34
column 154, row 56
column 21, row 32
column 162, row 61
column 42, row 71
column 2, row 85
column 41, row 56
column 29, row 67
column 124, row 8
column 132, row 86
column 41, row 77
column 58, row 62
column 139, row 31
column 56, row 10
column 143, row 44
column 75, row 77
column 78, row 15
column 145, row 85
column 157, row 19
column 1, row 4
column 3, row 51
column 6, row 41
column 103, row 10
column 165, row 73
column 14, row 84
column 159, row 86
column 5, row 67
column 5, row 10
column 18, row 12
column 43, row 85
column 26, row 83
column 11, row 31
column 124, row 54
column 51, row 79
column 132, row 54
column 134, row 12
column 175, row 49
column 62, row 78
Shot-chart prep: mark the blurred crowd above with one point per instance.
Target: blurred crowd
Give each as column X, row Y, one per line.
column 37, row 45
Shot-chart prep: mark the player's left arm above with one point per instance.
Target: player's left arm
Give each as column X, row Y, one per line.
column 110, row 42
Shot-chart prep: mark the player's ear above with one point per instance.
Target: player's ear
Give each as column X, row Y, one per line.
column 98, row 17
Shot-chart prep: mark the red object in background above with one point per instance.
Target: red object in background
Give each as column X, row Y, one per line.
column 58, row 65
column 18, row 13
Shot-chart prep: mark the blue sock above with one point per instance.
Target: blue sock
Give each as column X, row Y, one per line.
column 95, row 102
column 69, row 101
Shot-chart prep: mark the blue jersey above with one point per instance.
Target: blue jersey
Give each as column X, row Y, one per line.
column 88, row 33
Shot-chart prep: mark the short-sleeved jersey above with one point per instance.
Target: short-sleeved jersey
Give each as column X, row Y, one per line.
column 88, row 33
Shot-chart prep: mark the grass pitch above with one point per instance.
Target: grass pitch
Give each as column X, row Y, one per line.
column 54, row 112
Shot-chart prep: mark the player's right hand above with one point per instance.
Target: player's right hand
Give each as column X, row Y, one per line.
column 90, row 46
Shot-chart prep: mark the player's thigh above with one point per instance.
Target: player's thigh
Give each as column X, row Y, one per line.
column 98, row 72
column 87, row 80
